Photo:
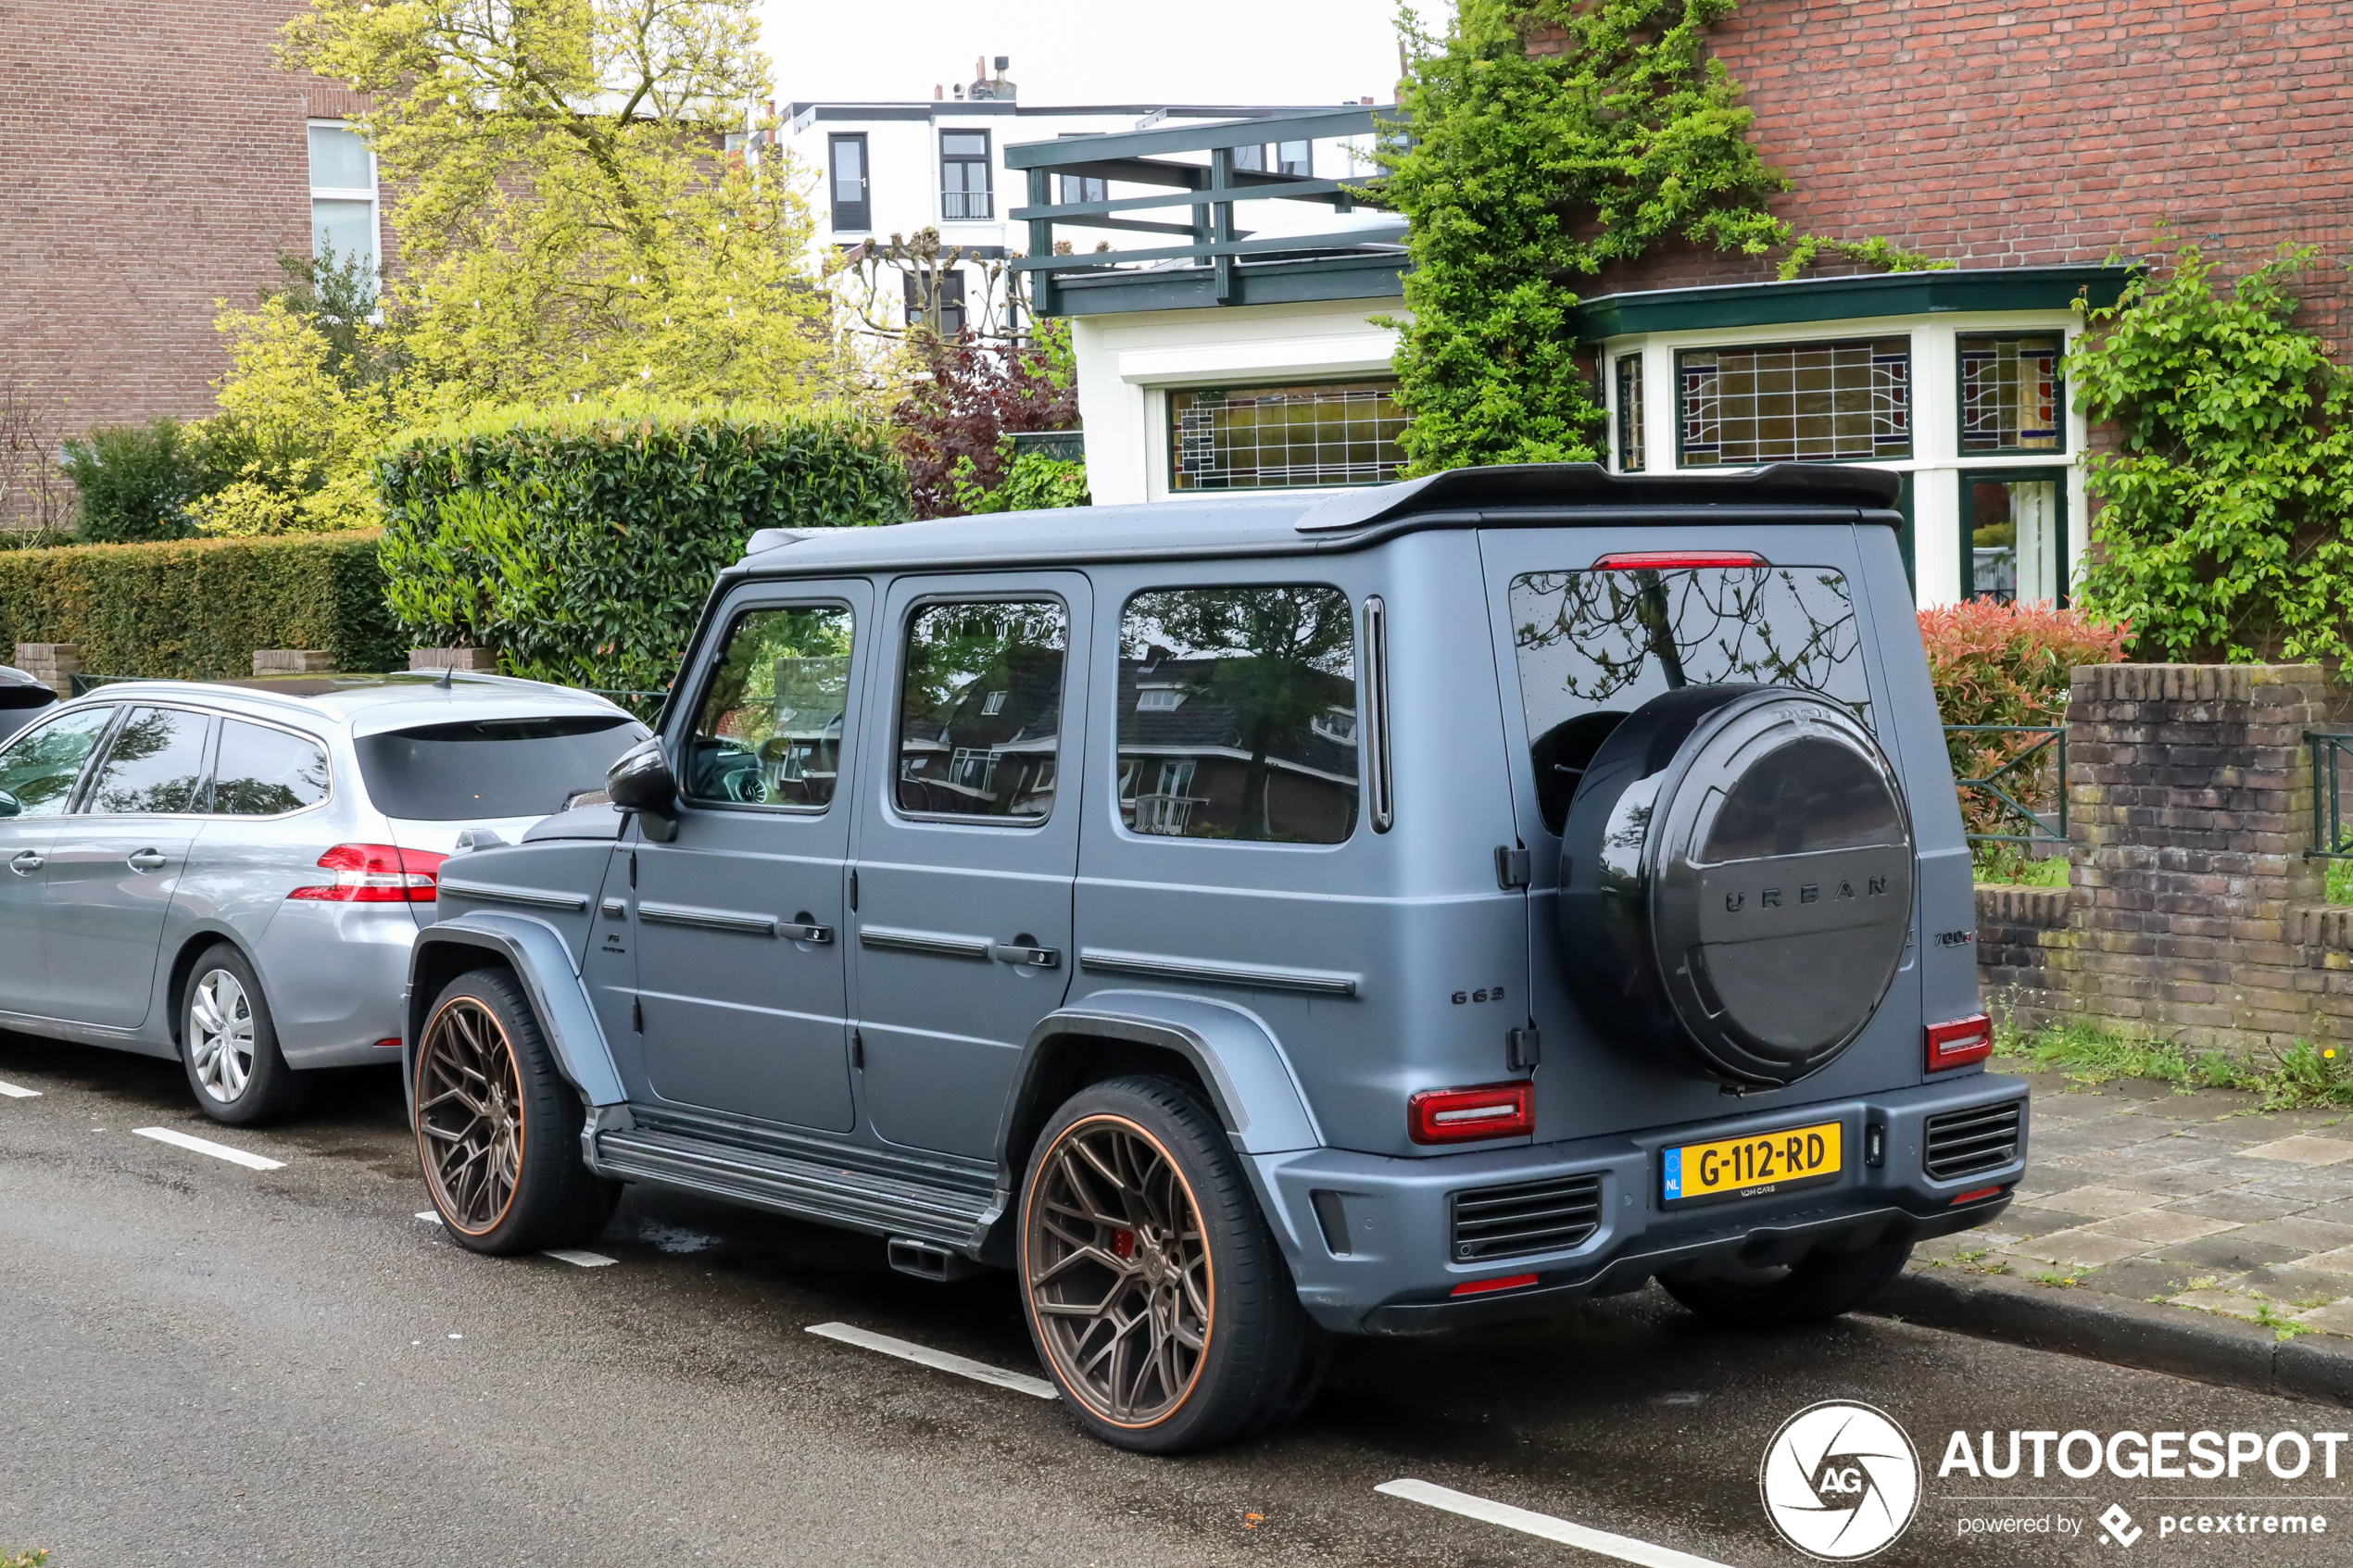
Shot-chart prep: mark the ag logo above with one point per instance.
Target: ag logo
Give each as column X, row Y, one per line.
column 1839, row 1480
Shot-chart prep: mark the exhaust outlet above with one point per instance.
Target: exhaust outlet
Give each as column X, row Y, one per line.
column 927, row 1261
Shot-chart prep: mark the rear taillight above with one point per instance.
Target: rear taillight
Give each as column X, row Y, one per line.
column 376, row 873
column 1959, row 1043
column 1496, row 1111
column 1676, row 561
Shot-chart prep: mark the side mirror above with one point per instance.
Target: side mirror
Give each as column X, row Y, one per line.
column 9, row 805
column 640, row 781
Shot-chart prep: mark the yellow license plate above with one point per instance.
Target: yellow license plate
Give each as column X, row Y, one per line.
column 1752, row 1166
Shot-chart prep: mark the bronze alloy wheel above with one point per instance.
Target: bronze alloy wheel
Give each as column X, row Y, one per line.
column 469, row 1115
column 1118, row 1271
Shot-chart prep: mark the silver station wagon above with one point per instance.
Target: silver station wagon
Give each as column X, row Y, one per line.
column 1254, row 919
column 234, row 877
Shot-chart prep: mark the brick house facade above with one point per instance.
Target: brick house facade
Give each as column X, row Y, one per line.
column 152, row 159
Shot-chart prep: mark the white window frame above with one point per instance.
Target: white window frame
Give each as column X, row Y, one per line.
column 348, row 192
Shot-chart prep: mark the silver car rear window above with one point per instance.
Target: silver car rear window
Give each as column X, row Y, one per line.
column 480, row 768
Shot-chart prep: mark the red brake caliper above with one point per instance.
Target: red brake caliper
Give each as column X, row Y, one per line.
column 1123, row 1243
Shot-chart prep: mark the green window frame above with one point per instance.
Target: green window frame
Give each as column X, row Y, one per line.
column 2010, row 393
column 2053, row 474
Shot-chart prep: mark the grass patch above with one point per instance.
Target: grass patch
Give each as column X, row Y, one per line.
column 2297, row 1076
column 2010, row 863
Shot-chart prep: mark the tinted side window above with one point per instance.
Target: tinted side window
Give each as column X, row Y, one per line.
column 981, row 708
column 1595, row 645
column 1237, row 714
column 265, row 773
column 769, row 733
column 38, row 768
column 155, row 764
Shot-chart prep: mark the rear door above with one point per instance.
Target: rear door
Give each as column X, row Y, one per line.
column 967, row 846
column 1590, row 623
column 738, row 918
column 38, row 770
column 116, row 862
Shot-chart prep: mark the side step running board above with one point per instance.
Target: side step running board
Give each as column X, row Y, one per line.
column 891, row 1205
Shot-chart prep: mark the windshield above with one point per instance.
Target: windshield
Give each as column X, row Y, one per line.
column 485, row 768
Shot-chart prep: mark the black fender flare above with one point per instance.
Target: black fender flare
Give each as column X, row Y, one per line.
column 542, row 961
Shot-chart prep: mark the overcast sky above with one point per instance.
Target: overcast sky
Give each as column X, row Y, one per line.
column 1090, row 51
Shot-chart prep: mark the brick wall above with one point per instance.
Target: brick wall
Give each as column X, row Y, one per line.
column 152, row 159
column 2192, row 914
column 2048, row 131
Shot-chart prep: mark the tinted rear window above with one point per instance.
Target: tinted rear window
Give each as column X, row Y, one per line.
column 1595, row 645
column 491, row 767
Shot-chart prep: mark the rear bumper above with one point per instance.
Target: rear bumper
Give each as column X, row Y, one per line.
column 335, row 975
column 1371, row 1243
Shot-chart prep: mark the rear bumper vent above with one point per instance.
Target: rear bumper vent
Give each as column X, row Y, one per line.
column 1962, row 1143
column 1532, row 1217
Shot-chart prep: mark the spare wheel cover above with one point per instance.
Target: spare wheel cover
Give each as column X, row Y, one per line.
column 1744, row 893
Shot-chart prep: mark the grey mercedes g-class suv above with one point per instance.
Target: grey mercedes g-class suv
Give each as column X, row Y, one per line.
column 1252, row 918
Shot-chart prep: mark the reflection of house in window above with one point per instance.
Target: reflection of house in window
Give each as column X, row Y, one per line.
column 1187, row 769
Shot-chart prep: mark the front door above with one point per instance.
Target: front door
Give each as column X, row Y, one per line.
column 967, row 846
column 37, row 774
column 116, row 862
column 739, row 920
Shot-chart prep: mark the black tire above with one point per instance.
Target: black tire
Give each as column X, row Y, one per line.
column 1820, row 1286
column 499, row 1128
column 1223, row 1282
column 229, row 1044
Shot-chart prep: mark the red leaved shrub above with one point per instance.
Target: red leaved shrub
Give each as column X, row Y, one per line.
column 969, row 396
column 1997, row 663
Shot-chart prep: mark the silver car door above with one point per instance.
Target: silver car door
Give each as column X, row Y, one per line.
column 37, row 772
column 115, row 861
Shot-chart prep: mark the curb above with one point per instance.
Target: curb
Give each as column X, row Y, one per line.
column 2180, row 1341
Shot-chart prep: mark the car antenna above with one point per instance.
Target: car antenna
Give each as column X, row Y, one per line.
column 448, row 673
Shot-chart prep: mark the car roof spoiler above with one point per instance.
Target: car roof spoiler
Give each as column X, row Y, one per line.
column 1521, row 485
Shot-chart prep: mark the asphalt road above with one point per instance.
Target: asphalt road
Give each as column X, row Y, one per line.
column 204, row 1363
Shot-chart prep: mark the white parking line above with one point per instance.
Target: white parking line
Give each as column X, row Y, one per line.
column 578, row 1258
column 251, row 1161
column 980, row 1372
column 13, row 1092
column 428, row 1216
column 1625, row 1548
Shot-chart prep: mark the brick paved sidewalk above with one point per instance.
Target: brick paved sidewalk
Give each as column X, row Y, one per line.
column 2200, row 1200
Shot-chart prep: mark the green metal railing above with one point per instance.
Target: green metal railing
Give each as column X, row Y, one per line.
column 2330, row 839
column 2036, row 770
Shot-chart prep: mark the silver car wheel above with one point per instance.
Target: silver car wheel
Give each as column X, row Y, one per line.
column 221, row 1035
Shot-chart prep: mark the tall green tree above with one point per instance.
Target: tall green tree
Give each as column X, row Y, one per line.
column 569, row 222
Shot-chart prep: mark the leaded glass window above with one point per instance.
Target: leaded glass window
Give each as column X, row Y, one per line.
column 2011, row 399
column 1278, row 437
column 1789, row 402
column 1630, row 413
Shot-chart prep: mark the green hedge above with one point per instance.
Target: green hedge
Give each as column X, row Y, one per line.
column 197, row 608
column 581, row 542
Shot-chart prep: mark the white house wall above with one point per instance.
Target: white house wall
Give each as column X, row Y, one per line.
column 1127, row 364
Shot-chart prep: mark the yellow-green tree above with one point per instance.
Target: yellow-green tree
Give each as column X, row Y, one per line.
column 569, row 221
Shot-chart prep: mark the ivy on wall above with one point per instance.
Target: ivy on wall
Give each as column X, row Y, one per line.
column 2225, row 521
column 1547, row 140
